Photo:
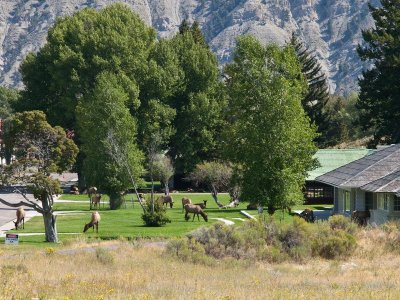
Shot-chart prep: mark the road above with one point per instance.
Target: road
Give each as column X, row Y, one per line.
column 7, row 214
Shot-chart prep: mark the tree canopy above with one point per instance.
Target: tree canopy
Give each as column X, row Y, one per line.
column 269, row 136
column 199, row 103
column 78, row 48
column 105, row 123
column 379, row 99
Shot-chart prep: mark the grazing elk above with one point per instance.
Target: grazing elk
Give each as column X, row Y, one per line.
column 165, row 200
column 196, row 210
column 185, row 201
column 361, row 217
column 93, row 222
column 20, row 218
column 202, row 205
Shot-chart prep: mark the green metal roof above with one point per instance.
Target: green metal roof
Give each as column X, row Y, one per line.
column 331, row 159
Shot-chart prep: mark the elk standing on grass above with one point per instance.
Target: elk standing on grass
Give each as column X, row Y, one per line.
column 165, row 200
column 94, row 221
column 185, row 201
column 196, row 210
column 95, row 201
column 20, row 218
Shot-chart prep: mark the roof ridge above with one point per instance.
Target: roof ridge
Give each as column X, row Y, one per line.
column 369, row 156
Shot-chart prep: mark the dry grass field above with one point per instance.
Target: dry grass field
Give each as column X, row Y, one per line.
column 144, row 270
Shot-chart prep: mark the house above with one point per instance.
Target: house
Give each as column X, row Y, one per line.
column 369, row 183
column 330, row 159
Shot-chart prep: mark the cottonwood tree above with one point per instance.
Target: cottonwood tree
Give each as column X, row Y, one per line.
column 98, row 112
column 215, row 175
column 269, row 135
column 39, row 149
column 199, row 103
column 78, row 48
column 379, row 99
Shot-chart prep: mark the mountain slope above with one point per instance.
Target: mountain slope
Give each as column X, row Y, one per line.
column 331, row 27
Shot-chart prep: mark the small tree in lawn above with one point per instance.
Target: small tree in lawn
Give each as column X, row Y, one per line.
column 39, row 149
column 163, row 170
column 215, row 175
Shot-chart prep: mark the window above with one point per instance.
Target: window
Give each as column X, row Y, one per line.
column 368, row 201
column 396, row 203
column 347, row 201
column 385, row 201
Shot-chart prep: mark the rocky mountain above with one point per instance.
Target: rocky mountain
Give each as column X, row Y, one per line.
column 332, row 28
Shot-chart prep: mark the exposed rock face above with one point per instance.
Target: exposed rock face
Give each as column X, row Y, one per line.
column 331, row 27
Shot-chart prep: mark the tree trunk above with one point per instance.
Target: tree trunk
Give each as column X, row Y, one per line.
column 166, row 188
column 116, row 200
column 50, row 227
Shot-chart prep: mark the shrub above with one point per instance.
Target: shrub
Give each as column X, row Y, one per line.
column 295, row 239
column 104, row 256
column 219, row 240
column 343, row 223
column 155, row 218
column 332, row 243
column 188, row 250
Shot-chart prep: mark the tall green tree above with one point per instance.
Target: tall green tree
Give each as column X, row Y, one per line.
column 78, row 48
column 105, row 123
column 317, row 95
column 269, row 136
column 199, row 103
column 8, row 97
column 379, row 99
column 38, row 149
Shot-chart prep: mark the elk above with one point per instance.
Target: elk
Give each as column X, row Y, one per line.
column 185, row 201
column 20, row 217
column 196, row 210
column 92, row 190
column 95, row 200
column 202, row 205
column 165, row 200
column 94, row 221
column 361, row 217
column 307, row 215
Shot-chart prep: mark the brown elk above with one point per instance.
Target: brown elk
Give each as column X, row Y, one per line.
column 360, row 217
column 185, row 201
column 308, row 215
column 93, row 222
column 165, row 200
column 92, row 190
column 95, row 200
column 196, row 210
column 202, row 205
column 20, row 218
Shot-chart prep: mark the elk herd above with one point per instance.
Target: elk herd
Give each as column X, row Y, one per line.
column 197, row 209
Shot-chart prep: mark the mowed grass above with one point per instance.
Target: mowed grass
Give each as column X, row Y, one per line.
column 126, row 222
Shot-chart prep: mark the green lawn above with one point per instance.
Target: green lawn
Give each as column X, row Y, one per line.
column 126, row 222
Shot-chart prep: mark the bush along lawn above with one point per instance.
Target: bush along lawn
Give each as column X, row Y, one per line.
column 127, row 221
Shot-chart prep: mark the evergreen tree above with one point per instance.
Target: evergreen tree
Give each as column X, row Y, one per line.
column 379, row 98
column 316, row 98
